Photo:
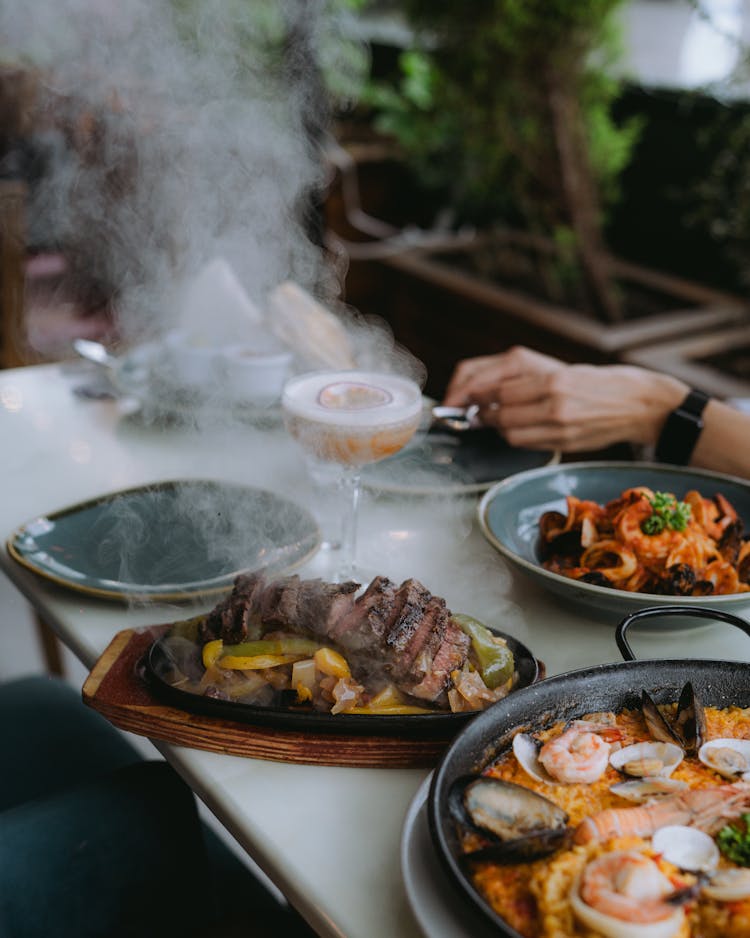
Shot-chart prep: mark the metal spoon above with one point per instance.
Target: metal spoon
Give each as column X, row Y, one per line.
column 95, row 352
column 458, row 419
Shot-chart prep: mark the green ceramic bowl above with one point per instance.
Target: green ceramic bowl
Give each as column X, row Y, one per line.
column 509, row 516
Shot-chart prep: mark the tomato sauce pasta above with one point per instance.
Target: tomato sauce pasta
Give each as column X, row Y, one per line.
column 650, row 542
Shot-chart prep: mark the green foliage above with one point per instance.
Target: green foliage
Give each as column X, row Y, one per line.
column 471, row 108
column 251, row 37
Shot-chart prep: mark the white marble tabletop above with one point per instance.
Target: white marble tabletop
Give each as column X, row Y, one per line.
column 328, row 837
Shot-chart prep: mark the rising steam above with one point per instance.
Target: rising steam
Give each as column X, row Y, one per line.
column 176, row 132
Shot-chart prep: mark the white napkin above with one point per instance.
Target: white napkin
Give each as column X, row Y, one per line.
column 215, row 308
column 315, row 335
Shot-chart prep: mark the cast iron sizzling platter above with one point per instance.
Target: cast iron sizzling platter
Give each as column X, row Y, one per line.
column 435, row 726
column 565, row 697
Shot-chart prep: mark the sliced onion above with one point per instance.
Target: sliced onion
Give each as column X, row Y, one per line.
column 728, row 885
column 611, row 927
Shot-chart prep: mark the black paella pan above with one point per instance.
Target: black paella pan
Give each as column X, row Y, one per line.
column 565, row 697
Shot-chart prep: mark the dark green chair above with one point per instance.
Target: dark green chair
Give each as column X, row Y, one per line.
column 96, row 842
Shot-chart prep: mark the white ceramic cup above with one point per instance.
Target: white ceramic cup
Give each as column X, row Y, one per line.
column 250, row 374
column 190, row 359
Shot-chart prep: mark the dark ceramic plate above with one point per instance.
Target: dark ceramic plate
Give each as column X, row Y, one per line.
column 168, row 541
column 440, row 461
column 509, row 516
column 418, row 726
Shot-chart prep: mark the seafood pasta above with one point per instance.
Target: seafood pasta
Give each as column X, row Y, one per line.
column 627, row 825
column 650, row 542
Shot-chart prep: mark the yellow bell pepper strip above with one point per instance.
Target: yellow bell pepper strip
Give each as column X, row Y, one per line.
column 255, row 662
column 331, row 662
column 389, row 696
column 303, row 693
column 392, row 710
column 211, row 652
column 187, row 628
column 304, row 679
column 493, row 657
column 391, row 701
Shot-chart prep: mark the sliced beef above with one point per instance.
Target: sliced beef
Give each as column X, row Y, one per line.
column 278, row 604
column 450, row 655
column 232, row 618
column 416, row 659
column 321, row 605
column 371, row 615
column 413, row 599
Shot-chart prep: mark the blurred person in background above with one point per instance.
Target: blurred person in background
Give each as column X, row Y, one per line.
column 538, row 402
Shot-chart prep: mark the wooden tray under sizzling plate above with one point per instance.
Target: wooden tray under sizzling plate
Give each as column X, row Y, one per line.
column 116, row 689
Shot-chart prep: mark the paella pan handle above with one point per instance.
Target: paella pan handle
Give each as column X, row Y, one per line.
column 654, row 612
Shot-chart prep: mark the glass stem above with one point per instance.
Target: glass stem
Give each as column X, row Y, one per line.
column 351, row 488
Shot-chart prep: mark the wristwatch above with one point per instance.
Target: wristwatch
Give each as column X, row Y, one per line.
column 681, row 430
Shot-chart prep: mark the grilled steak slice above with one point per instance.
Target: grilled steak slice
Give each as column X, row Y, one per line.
column 321, row 605
column 278, row 604
column 232, row 618
column 416, row 659
column 413, row 599
column 371, row 615
column 450, row 655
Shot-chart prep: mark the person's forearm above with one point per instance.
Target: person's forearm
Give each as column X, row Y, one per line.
column 724, row 443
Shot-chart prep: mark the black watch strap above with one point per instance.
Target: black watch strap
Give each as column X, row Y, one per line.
column 681, row 430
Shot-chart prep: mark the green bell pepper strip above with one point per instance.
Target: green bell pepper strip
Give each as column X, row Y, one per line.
column 495, row 661
column 294, row 645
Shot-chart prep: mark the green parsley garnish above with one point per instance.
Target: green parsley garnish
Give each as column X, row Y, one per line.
column 734, row 841
column 667, row 512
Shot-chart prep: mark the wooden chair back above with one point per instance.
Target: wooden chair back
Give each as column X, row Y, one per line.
column 13, row 346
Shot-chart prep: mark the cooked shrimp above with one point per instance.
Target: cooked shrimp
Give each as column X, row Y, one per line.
column 693, row 549
column 704, row 808
column 723, row 577
column 627, row 498
column 577, row 755
column 649, row 547
column 714, row 515
column 704, row 512
column 627, row 885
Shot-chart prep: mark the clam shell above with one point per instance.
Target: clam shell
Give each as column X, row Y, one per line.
column 729, row 757
column 729, row 885
column 686, row 847
column 526, row 751
column 668, row 754
column 645, row 789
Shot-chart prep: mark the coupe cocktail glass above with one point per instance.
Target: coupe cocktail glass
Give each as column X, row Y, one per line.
column 346, row 419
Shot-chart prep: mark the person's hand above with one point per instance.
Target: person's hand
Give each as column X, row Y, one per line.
column 539, row 402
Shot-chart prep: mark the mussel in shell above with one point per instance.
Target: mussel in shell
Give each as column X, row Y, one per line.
column 687, row 729
column 515, row 823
